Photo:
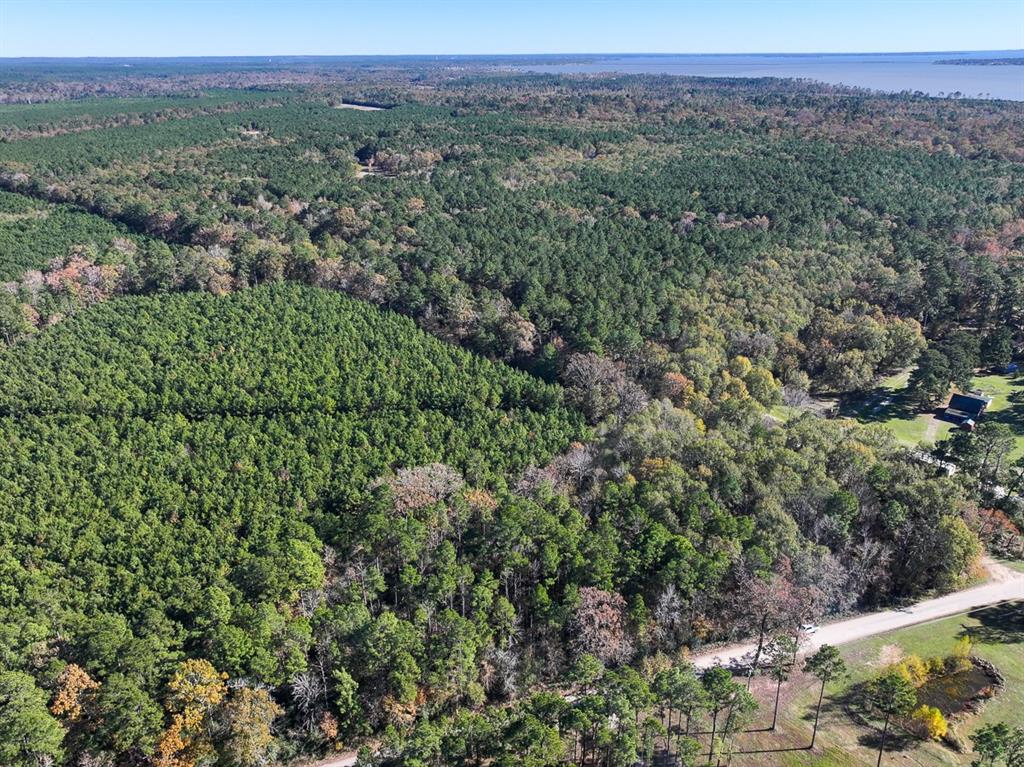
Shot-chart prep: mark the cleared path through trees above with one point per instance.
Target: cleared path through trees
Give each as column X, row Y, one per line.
column 347, row 759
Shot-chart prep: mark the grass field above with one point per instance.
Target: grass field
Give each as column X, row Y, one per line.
column 785, row 413
column 1007, row 406
column 845, row 739
column 998, row 636
column 887, row 404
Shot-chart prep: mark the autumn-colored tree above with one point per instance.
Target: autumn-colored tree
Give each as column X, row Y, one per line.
column 329, row 726
column 172, row 750
column 249, row 715
column 195, row 690
column 600, row 626
column 913, row 669
column 196, row 685
column 929, row 722
column 421, row 486
column 769, row 605
column 74, row 686
column 598, row 387
column 677, row 388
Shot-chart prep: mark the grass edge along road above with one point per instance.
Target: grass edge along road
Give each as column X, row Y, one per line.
column 848, row 736
column 857, row 637
column 787, row 746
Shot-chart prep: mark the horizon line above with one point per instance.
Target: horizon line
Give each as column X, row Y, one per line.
column 501, row 55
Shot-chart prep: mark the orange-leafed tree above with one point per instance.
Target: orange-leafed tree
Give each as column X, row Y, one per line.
column 74, row 688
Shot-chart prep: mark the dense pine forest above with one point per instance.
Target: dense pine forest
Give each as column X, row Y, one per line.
column 447, row 427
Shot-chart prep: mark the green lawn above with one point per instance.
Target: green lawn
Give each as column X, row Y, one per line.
column 998, row 634
column 845, row 739
column 1007, row 406
column 887, row 404
column 785, row 413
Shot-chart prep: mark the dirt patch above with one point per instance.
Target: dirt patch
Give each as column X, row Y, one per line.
column 889, row 655
column 359, row 107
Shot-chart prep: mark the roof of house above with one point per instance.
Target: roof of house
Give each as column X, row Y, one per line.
column 969, row 404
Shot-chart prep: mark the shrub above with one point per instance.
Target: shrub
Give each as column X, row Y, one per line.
column 960, row 659
column 913, row 669
column 928, row 722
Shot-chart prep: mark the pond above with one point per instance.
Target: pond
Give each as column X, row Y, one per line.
column 953, row 693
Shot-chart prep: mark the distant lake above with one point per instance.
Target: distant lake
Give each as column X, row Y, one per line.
column 891, row 72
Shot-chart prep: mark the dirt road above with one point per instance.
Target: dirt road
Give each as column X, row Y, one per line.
column 347, row 759
column 1003, row 584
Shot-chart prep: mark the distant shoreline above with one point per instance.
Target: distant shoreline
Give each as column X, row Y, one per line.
column 1008, row 62
column 889, row 73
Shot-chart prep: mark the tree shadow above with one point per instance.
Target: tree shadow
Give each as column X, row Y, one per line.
column 879, row 405
column 1001, row 623
column 853, row 703
column 897, row 740
column 939, row 414
column 1012, row 416
column 773, row 750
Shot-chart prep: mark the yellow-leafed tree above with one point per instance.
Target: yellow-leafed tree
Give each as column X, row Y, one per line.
column 196, row 688
column 929, row 722
column 249, row 714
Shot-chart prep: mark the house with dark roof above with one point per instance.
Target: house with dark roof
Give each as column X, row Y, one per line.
column 966, row 409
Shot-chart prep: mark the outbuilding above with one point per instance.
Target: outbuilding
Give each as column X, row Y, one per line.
column 966, row 409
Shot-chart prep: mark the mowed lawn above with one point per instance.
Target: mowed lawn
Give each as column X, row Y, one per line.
column 887, row 404
column 847, row 740
column 1007, row 406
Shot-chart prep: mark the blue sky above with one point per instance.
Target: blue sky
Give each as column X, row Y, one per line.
column 346, row 27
